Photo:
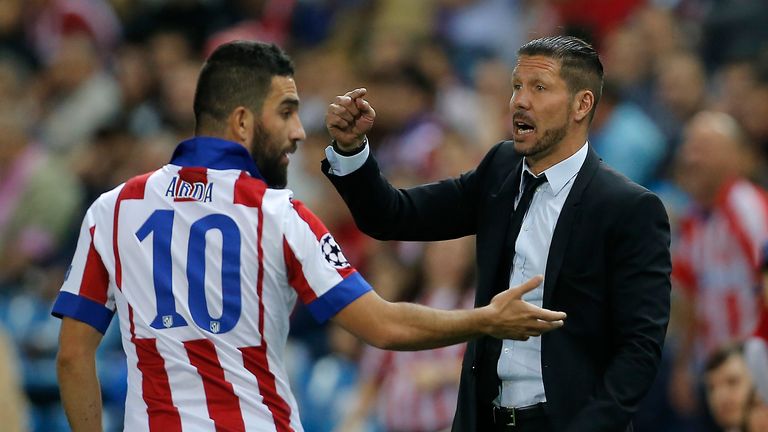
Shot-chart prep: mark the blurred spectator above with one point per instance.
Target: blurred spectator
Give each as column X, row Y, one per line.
column 13, row 402
column 405, row 100
column 417, row 391
column 177, row 91
column 593, row 19
column 76, row 94
column 734, row 82
column 12, row 38
column 756, row 347
column 38, row 199
column 138, row 83
column 333, row 374
column 50, row 22
column 733, row 29
column 715, row 260
column 756, row 105
column 680, row 93
column 480, row 29
column 265, row 20
column 625, row 137
column 729, row 388
column 628, row 62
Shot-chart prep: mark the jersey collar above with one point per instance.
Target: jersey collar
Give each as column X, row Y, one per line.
column 214, row 153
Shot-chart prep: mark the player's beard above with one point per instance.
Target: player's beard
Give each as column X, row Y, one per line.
column 267, row 154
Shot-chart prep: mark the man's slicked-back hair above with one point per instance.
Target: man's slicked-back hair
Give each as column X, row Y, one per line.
column 236, row 74
column 580, row 65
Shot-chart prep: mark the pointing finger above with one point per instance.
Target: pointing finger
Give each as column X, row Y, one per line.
column 356, row 93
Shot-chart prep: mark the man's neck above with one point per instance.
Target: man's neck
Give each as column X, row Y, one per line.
column 564, row 149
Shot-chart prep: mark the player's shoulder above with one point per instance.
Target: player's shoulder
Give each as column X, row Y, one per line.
column 131, row 188
column 278, row 199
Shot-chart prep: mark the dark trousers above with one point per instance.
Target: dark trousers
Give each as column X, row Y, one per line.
column 540, row 424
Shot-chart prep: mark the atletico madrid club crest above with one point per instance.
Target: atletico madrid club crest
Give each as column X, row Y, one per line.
column 332, row 252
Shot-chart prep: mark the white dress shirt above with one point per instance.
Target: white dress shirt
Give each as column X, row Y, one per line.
column 519, row 366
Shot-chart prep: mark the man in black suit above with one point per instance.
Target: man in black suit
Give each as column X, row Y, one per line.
column 542, row 203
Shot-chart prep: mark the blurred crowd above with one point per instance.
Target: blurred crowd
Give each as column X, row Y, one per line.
column 93, row 92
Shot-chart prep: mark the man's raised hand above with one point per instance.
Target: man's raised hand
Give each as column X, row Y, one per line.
column 349, row 118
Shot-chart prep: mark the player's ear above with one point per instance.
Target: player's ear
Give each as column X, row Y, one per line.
column 241, row 124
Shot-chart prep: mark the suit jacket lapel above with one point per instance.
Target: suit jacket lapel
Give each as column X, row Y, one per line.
column 494, row 253
column 565, row 223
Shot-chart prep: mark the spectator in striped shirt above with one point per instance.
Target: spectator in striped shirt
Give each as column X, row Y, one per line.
column 715, row 260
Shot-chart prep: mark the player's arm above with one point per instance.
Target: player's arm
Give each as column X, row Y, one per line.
column 76, row 368
column 408, row 326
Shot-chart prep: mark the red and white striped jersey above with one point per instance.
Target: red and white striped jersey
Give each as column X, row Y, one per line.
column 716, row 261
column 203, row 264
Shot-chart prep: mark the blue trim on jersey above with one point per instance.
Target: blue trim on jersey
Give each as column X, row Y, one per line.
column 82, row 309
column 338, row 297
column 214, row 153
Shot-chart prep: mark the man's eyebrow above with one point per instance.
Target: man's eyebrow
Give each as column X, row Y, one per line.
column 292, row 102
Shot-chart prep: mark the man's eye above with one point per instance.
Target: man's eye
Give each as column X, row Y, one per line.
column 539, row 87
column 517, row 86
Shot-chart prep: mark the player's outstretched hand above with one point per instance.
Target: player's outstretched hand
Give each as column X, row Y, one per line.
column 349, row 118
column 516, row 319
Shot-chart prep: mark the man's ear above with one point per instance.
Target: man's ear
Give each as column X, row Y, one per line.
column 240, row 125
column 583, row 102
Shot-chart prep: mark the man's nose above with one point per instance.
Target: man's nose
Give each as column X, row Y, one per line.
column 519, row 100
column 297, row 132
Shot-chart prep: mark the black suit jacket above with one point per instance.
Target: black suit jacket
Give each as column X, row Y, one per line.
column 608, row 269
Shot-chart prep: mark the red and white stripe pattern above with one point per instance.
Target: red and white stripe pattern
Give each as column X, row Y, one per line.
column 715, row 261
column 401, row 404
column 186, row 378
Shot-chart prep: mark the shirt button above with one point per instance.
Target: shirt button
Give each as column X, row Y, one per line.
column 506, row 350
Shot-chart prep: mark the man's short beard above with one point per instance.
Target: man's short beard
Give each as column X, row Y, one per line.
column 275, row 174
column 547, row 144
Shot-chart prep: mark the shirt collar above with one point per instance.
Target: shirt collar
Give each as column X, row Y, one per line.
column 561, row 173
column 214, row 153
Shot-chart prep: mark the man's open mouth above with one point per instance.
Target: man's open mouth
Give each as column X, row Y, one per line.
column 523, row 127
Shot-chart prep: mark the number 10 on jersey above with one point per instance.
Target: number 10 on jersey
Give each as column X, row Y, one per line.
column 160, row 225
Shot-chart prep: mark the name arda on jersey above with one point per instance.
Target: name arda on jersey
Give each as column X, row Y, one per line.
column 182, row 190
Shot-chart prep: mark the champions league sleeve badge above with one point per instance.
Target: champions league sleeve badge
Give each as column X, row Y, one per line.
column 332, row 252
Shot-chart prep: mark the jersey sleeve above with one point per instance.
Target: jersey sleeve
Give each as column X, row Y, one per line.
column 316, row 267
column 86, row 294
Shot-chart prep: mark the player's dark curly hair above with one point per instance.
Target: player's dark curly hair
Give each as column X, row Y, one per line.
column 236, row 74
column 580, row 65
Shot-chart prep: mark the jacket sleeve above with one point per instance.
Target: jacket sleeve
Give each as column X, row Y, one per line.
column 639, row 268
column 437, row 211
